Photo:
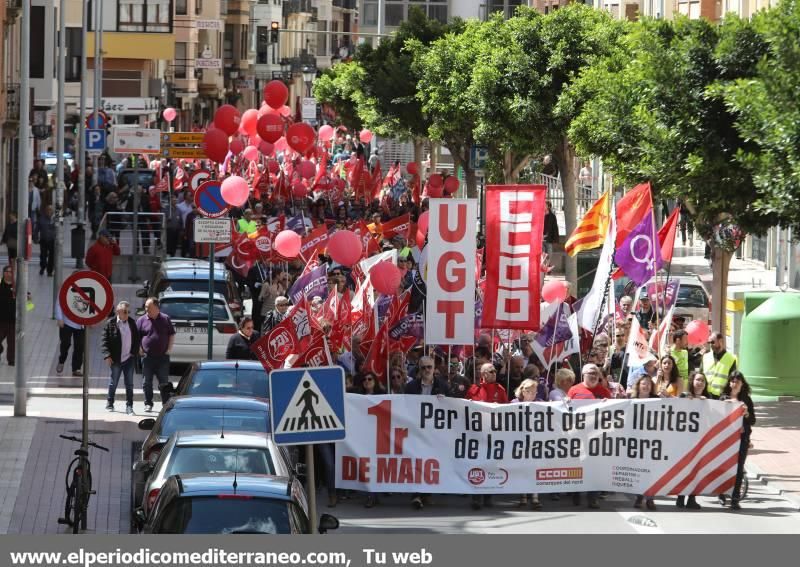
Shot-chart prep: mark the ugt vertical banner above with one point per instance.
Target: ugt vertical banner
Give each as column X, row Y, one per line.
column 514, row 224
column 450, row 306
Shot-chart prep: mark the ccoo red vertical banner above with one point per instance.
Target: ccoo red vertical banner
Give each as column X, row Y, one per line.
column 514, row 226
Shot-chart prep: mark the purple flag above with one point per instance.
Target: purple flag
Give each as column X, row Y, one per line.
column 638, row 256
column 313, row 284
column 664, row 295
column 409, row 326
column 557, row 328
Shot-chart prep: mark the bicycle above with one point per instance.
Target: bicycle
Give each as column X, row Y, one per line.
column 79, row 490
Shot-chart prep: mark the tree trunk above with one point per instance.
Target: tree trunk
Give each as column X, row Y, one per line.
column 434, row 158
column 419, row 146
column 720, row 265
column 513, row 164
column 565, row 158
column 472, row 183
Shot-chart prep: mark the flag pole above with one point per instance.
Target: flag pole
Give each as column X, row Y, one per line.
column 653, row 248
column 553, row 341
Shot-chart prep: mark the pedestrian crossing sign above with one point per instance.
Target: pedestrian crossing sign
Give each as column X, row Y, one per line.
column 307, row 405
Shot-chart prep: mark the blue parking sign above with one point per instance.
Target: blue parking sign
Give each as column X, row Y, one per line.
column 95, row 140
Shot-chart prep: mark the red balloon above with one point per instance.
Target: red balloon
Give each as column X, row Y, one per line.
column 339, row 183
column 411, row 168
column 299, row 191
column 215, row 144
column 275, row 94
column 554, row 291
column 300, row 137
column 273, row 166
column 385, row 277
column 436, row 180
column 451, row 184
column 422, row 222
column 420, row 239
column 266, row 148
column 287, row 243
column 698, row 332
column 227, row 119
column 307, row 169
column 249, row 121
column 435, row 191
column 270, row 128
column 345, row 247
column 236, row 146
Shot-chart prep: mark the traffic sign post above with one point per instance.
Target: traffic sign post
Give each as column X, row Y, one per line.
column 209, row 201
column 211, row 231
column 182, row 145
column 95, row 141
column 198, row 178
column 307, row 407
column 86, row 298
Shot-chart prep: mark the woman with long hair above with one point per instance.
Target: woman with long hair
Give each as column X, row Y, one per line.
column 668, row 381
column 643, row 389
column 738, row 390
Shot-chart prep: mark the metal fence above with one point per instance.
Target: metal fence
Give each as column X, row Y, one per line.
column 148, row 228
column 586, row 195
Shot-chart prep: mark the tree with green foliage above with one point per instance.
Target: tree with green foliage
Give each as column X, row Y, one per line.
column 340, row 87
column 653, row 112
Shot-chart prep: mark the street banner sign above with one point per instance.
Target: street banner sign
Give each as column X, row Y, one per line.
column 203, row 63
column 198, row 178
column 95, row 141
column 127, row 140
column 216, row 231
column 177, row 152
column 309, row 109
column 209, row 201
column 307, row 405
column 168, row 138
column 86, row 298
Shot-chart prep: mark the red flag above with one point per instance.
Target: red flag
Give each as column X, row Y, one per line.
column 163, row 185
column 401, row 225
column 273, row 348
column 666, row 235
column 631, row 210
column 378, row 356
column 317, row 354
column 312, row 264
column 180, row 177
column 316, row 241
column 415, row 194
column 376, row 182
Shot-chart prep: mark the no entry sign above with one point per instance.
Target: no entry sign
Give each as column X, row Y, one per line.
column 209, row 201
column 198, row 178
column 86, row 298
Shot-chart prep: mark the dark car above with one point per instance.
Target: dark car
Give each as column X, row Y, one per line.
column 192, row 277
column 232, row 504
column 245, row 378
column 195, row 413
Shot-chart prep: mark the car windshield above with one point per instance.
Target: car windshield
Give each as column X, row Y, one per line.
column 691, row 296
column 230, row 381
column 226, row 515
column 220, row 460
column 189, row 309
column 191, row 285
column 210, row 419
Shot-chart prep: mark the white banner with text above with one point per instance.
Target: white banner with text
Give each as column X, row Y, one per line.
column 427, row 444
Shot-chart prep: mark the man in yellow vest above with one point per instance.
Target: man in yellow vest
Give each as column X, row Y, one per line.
column 680, row 352
column 246, row 224
column 717, row 365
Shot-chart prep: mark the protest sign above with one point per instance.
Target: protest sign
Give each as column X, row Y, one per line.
column 653, row 446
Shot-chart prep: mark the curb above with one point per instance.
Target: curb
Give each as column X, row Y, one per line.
column 754, row 472
column 71, row 393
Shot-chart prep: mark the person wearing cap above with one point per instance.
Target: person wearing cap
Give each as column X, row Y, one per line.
column 100, row 256
column 646, row 314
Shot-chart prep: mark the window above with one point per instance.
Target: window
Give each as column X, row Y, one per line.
column 180, row 59
column 262, row 45
column 243, row 41
column 438, row 13
column 227, row 42
column 180, row 7
column 74, row 50
column 37, row 26
column 198, row 7
column 395, row 14
column 370, row 14
column 144, row 16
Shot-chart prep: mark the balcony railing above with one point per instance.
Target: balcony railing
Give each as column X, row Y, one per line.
column 345, row 4
column 13, row 9
column 297, row 6
column 12, row 102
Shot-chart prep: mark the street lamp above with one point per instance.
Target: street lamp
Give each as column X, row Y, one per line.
column 309, row 74
column 286, row 70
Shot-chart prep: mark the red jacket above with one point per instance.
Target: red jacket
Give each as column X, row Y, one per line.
column 100, row 258
column 486, row 392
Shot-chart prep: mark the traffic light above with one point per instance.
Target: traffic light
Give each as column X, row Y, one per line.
column 273, row 32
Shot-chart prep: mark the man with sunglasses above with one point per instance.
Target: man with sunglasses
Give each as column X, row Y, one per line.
column 120, row 346
column 717, row 365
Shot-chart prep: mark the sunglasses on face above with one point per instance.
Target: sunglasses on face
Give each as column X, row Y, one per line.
column 426, row 367
column 490, row 371
column 369, row 379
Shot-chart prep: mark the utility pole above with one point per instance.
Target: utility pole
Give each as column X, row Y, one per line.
column 80, row 225
column 61, row 69
column 381, row 17
column 21, row 288
column 98, row 25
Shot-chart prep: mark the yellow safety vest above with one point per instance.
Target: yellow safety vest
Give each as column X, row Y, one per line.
column 717, row 371
column 247, row 227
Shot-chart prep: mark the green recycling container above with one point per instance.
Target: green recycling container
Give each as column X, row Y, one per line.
column 769, row 356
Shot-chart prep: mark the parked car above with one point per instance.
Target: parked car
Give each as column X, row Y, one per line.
column 193, row 452
column 233, row 504
column 192, row 276
column 188, row 311
column 224, row 377
column 195, row 413
column 693, row 300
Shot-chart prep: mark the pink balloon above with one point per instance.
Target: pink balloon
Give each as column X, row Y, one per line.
column 385, row 277
column 299, row 191
column 422, row 222
column 326, row 133
column 250, row 153
column 235, row 191
column 249, row 121
column 300, row 137
column 307, row 169
column 254, row 140
column 554, row 291
column 266, row 148
column 285, row 111
column 237, row 146
column 698, row 332
column 227, row 119
column 170, row 114
column 365, row 136
column 345, row 247
column 276, row 93
column 281, row 145
column 287, row 243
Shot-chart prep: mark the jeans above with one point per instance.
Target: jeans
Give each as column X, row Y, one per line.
column 67, row 335
column 154, row 365
column 126, row 369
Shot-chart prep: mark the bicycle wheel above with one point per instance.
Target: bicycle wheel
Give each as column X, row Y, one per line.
column 87, row 492
column 744, row 488
column 77, row 507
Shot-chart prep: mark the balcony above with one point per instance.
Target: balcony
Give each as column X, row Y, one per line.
column 303, row 59
column 345, row 4
column 13, row 10
column 297, row 7
column 12, row 102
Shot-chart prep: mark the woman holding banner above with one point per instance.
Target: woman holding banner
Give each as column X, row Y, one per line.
column 527, row 392
column 698, row 390
column 644, row 388
column 738, row 390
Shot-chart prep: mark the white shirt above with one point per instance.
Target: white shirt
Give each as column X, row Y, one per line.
column 184, row 209
column 125, row 333
column 67, row 322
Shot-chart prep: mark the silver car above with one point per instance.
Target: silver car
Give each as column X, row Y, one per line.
column 203, row 452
